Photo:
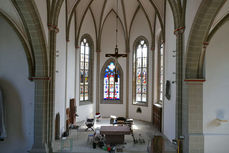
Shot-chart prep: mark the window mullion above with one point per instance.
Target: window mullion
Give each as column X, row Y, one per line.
column 141, row 72
column 108, row 86
column 114, row 84
column 84, row 73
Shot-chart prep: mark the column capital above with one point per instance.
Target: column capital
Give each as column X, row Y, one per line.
column 53, row 28
column 179, row 31
column 205, row 44
column 194, row 80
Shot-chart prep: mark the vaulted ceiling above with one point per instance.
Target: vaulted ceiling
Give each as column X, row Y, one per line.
column 127, row 10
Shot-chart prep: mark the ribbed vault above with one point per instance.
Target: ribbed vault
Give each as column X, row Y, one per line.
column 127, row 10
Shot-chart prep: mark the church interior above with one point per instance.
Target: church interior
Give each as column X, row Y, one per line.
column 140, row 75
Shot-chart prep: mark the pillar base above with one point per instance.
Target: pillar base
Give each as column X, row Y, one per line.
column 196, row 143
column 40, row 149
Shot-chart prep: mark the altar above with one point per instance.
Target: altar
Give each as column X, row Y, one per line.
column 115, row 134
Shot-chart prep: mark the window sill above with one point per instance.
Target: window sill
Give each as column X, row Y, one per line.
column 111, row 102
column 140, row 104
column 158, row 105
column 85, row 103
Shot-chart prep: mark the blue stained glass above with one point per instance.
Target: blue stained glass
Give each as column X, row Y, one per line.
column 111, row 66
column 111, row 88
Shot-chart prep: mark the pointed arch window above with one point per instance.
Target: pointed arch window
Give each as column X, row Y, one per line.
column 111, row 84
column 111, row 78
column 140, row 64
column 86, row 62
column 161, row 72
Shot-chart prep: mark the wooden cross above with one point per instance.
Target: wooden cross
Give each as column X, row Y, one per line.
column 116, row 54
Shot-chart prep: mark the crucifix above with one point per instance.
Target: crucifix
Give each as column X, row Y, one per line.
column 116, row 55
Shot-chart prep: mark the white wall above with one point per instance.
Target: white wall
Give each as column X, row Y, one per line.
column 108, row 46
column 215, row 93
column 88, row 110
column 60, row 70
column 8, row 8
column 170, row 67
column 18, row 92
column 140, row 28
column 71, row 50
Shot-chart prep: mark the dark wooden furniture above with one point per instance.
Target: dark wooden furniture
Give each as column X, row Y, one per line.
column 67, row 119
column 115, row 134
column 57, row 126
column 156, row 145
column 157, row 116
column 72, row 113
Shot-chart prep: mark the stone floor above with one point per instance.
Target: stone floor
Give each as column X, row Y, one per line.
column 78, row 142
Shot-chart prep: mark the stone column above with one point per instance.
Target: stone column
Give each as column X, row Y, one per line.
column 97, row 81
column 53, row 30
column 179, row 80
column 127, row 85
column 40, row 115
column 194, row 98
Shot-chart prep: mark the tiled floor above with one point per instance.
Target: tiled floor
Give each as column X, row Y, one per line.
column 78, row 141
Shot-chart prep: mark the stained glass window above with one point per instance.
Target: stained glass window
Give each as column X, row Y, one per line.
column 141, row 71
column 161, row 69
column 111, row 84
column 84, row 69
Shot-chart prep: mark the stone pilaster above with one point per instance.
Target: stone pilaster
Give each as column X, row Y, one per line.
column 127, row 86
column 97, row 80
column 179, row 80
column 40, row 115
column 194, row 98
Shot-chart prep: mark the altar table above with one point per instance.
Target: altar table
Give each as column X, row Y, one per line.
column 115, row 134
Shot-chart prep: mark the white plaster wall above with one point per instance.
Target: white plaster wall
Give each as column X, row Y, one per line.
column 140, row 28
column 18, row 92
column 215, row 93
column 60, row 70
column 108, row 46
column 71, row 50
column 8, row 8
column 42, row 9
column 169, row 111
column 88, row 110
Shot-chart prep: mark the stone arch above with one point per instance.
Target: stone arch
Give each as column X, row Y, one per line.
column 205, row 15
column 35, row 35
column 102, row 73
column 201, row 66
column 217, row 27
column 194, row 76
column 138, row 39
column 34, row 30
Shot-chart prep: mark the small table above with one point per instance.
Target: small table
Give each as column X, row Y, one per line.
column 115, row 134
